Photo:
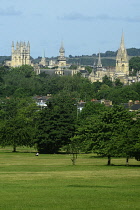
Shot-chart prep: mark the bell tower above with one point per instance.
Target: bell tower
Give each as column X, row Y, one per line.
column 62, row 58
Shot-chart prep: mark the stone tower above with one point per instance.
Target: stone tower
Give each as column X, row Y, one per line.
column 43, row 61
column 98, row 71
column 20, row 55
column 61, row 58
column 122, row 62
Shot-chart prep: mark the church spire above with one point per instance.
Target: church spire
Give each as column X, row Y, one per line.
column 99, row 64
column 122, row 45
column 44, row 53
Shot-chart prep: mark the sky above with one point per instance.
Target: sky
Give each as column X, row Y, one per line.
column 84, row 26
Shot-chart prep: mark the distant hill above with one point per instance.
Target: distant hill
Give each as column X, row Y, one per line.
column 108, row 58
column 4, row 58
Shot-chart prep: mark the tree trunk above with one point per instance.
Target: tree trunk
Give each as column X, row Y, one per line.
column 109, row 160
column 73, row 159
column 127, row 161
column 14, row 148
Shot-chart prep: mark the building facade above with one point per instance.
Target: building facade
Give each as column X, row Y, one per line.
column 20, row 54
column 61, row 57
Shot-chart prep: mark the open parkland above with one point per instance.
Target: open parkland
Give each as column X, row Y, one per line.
column 52, row 182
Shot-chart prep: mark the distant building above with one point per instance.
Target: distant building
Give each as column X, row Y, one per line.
column 43, row 61
column 52, row 63
column 61, row 57
column 20, row 55
column 122, row 61
column 98, row 71
column 41, row 101
column 121, row 71
column 60, row 67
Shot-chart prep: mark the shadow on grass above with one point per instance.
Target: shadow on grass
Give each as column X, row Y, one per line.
column 88, row 186
column 123, row 165
column 17, row 152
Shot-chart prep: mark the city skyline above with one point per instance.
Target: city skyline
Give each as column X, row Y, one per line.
column 84, row 27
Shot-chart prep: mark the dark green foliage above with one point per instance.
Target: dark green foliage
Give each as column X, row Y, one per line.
column 92, row 109
column 109, row 54
column 134, row 65
column 16, row 122
column 118, row 83
column 89, row 69
column 112, row 132
column 107, row 81
column 120, row 94
column 133, row 52
column 73, row 66
column 56, row 124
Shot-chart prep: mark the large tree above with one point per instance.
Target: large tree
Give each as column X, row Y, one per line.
column 17, row 127
column 56, row 124
column 107, row 133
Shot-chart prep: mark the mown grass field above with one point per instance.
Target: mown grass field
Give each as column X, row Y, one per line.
column 52, row 182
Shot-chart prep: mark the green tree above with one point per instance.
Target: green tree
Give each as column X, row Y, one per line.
column 107, row 81
column 130, row 141
column 89, row 69
column 118, row 83
column 18, row 127
column 56, row 124
column 134, row 65
column 91, row 109
column 104, row 133
column 73, row 66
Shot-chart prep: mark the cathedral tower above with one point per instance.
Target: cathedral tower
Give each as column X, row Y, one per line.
column 20, row 55
column 122, row 63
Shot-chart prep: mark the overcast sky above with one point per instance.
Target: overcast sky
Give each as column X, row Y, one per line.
column 85, row 26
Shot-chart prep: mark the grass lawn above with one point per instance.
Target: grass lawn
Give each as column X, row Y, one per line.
column 52, row 182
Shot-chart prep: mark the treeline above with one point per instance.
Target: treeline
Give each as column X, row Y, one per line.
column 22, row 81
column 91, row 61
column 59, row 126
column 4, row 58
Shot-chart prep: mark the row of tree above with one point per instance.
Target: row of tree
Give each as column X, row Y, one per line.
column 99, row 129
column 110, row 132
column 22, row 82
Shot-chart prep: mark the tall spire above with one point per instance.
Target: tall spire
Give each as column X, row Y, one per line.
column 122, row 46
column 99, row 64
column 62, row 48
column 12, row 47
column 17, row 45
column 44, row 53
column 28, row 44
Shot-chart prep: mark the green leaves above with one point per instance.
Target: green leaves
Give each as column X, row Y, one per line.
column 112, row 132
column 56, row 124
column 17, row 127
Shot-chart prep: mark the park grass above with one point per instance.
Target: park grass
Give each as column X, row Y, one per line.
column 52, row 182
